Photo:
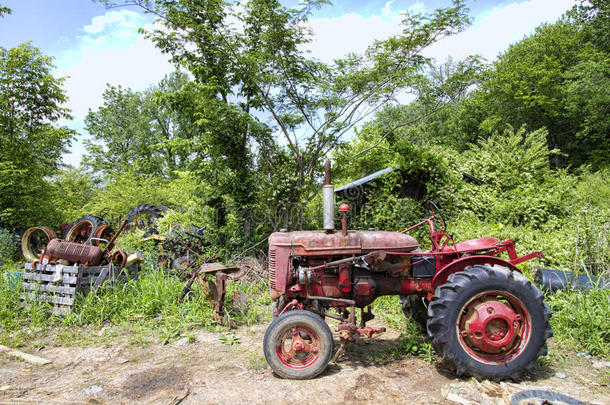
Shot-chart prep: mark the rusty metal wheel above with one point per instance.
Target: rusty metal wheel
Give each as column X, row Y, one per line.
column 105, row 232
column 81, row 230
column 144, row 216
column 34, row 241
column 489, row 322
column 298, row 345
column 183, row 264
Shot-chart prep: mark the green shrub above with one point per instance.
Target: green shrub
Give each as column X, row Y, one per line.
column 8, row 246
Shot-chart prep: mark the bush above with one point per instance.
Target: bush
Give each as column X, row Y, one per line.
column 8, row 246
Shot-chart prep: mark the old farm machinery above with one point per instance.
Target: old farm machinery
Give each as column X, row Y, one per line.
column 483, row 316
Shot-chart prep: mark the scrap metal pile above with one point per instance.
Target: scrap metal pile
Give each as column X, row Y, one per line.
column 88, row 254
column 59, row 269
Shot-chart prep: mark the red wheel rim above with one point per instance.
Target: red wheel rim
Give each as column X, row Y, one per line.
column 494, row 327
column 298, row 347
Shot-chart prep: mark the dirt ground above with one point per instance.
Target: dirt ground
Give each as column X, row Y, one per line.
column 230, row 369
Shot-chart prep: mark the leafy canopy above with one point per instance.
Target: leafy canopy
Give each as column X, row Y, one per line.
column 30, row 143
column 250, row 57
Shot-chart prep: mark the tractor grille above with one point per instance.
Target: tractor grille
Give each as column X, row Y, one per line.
column 272, row 265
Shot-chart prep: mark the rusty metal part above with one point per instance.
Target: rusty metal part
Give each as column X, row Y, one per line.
column 118, row 257
column 81, row 230
column 101, row 233
column 385, row 262
column 491, row 326
column 327, row 179
column 216, row 291
column 111, row 242
column 344, row 209
column 73, row 252
column 26, row 242
column 134, row 257
column 313, row 243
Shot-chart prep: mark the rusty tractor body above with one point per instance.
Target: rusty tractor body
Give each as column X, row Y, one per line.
column 483, row 316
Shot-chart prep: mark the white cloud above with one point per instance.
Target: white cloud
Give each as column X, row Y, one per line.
column 503, row 26
column 120, row 18
column 417, row 8
column 335, row 37
column 490, row 34
column 387, row 9
column 110, row 51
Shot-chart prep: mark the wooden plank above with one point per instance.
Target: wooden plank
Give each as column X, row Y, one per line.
column 55, row 299
column 49, row 278
column 57, row 289
column 50, row 268
column 56, row 310
column 24, row 356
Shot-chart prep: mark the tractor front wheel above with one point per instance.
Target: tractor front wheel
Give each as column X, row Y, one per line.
column 298, row 345
column 489, row 322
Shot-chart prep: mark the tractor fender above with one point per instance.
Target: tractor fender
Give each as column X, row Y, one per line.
column 461, row 264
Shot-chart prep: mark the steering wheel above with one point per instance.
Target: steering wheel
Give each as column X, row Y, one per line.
column 440, row 220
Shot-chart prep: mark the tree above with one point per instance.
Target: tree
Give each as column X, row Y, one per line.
column 252, row 76
column 30, row 143
column 135, row 131
column 4, row 10
column 594, row 17
column 554, row 79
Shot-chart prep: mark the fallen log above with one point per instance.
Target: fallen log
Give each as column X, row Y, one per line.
column 24, row 356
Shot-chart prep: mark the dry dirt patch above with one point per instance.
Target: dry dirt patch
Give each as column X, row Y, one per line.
column 210, row 371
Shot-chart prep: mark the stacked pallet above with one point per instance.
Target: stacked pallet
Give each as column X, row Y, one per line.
column 60, row 285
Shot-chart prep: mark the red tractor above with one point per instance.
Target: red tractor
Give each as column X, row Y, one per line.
column 483, row 316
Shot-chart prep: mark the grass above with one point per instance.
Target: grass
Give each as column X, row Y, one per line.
column 137, row 309
column 581, row 320
column 147, row 311
column 257, row 363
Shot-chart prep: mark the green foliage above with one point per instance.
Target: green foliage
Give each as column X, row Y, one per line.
column 8, row 246
column 141, row 308
column 4, row 10
column 582, row 319
column 519, row 186
column 136, row 131
column 259, row 67
column 587, row 101
column 155, row 294
column 594, row 17
column 554, row 79
column 511, row 158
column 72, row 189
column 30, row 144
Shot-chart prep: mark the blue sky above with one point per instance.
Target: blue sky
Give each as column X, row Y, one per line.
column 93, row 46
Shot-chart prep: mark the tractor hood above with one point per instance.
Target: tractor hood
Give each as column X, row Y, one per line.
column 321, row 243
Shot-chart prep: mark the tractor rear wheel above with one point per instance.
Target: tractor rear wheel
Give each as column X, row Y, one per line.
column 298, row 345
column 489, row 322
column 415, row 308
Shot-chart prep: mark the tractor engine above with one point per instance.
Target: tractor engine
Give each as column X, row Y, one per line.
column 308, row 263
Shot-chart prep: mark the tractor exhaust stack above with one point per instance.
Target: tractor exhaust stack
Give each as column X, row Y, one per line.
column 328, row 194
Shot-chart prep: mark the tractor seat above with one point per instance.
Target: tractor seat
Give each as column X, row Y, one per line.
column 474, row 245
